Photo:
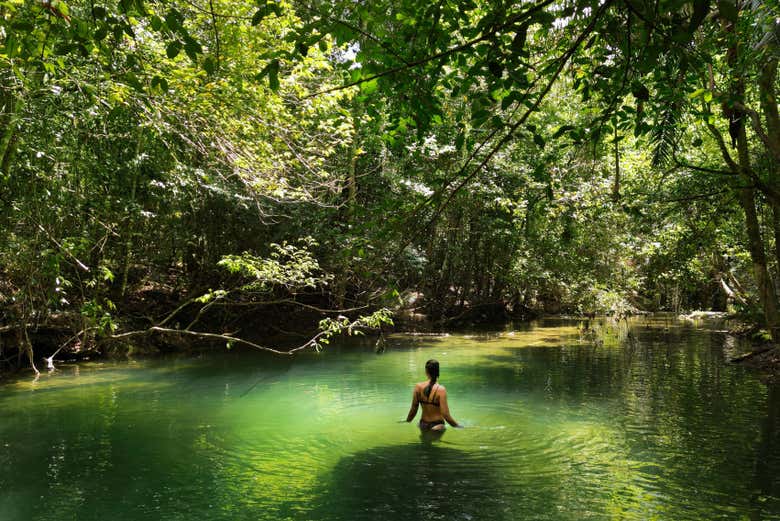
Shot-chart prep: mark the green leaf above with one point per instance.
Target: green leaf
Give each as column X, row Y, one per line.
column 696, row 93
column 173, row 49
column 259, row 15
column 156, row 23
column 509, row 99
column 173, row 20
column 192, row 48
column 158, row 82
column 544, row 18
column 99, row 12
column 459, row 141
column 101, row 33
column 369, row 87
column 697, row 142
column 480, row 115
column 134, row 82
column 210, row 64
column 539, row 140
column 22, row 26
column 562, row 130
column 266, row 9
column 273, row 75
column 62, row 7
column 342, row 33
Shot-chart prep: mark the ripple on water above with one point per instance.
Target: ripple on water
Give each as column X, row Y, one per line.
column 554, row 431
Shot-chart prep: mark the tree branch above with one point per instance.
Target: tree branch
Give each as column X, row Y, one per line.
column 755, row 119
column 216, row 30
column 723, row 150
column 699, row 168
column 216, row 336
column 442, row 54
column 294, row 302
column 563, row 60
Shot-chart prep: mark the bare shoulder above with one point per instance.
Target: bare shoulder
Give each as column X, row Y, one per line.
column 442, row 389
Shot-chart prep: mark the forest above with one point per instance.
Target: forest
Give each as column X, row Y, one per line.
column 275, row 173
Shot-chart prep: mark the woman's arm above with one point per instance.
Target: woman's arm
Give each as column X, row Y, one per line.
column 445, row 408
column 413, row 408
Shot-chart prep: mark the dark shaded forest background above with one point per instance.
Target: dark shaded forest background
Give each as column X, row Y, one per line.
column 209, row 170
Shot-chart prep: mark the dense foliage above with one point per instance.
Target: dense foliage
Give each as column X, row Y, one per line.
column 218, row 170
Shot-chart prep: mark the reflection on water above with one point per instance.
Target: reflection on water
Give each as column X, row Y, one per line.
column 628, row 423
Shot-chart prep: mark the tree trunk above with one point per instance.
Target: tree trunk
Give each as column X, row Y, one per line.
column 25, row 345
column 352, row 183
column 776, row 233
column 768, row 100
column 766, row 289
column 730, row 293
column 13, row 104
column 616, row 184
column 747, row 199
column 737, row 118
column 130, row 230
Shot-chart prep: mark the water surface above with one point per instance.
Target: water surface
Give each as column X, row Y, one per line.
column 560, row 426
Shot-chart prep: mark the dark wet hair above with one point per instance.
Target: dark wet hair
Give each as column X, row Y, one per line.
column 432, row 368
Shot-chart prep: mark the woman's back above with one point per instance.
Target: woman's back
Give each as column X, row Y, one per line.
column 433, row 398
column 431, row 403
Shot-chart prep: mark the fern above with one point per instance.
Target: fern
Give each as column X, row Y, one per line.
column 665, row 134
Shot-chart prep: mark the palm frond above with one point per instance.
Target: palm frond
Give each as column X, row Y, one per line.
column 665, row 134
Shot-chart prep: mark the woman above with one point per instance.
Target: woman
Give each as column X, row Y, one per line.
column 433, row 397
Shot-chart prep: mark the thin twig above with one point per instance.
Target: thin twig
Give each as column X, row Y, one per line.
column 64, row 250
column 216, row 31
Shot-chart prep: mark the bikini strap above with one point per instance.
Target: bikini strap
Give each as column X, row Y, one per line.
column 431, row 395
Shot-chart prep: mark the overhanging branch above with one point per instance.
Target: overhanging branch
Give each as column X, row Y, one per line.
column 439, row 55
column 216, row 336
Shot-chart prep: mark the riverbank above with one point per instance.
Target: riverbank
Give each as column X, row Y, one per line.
column 765, row 359
column 283, row 337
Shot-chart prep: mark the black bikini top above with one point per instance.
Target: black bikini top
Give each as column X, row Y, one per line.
column 430, row 402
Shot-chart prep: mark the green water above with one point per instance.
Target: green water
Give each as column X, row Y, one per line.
column 557, row 428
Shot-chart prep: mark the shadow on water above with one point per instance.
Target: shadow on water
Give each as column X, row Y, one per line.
column 766, row 483
column 423, row 481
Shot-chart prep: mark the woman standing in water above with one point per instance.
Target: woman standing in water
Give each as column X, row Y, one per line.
column 433, row 397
